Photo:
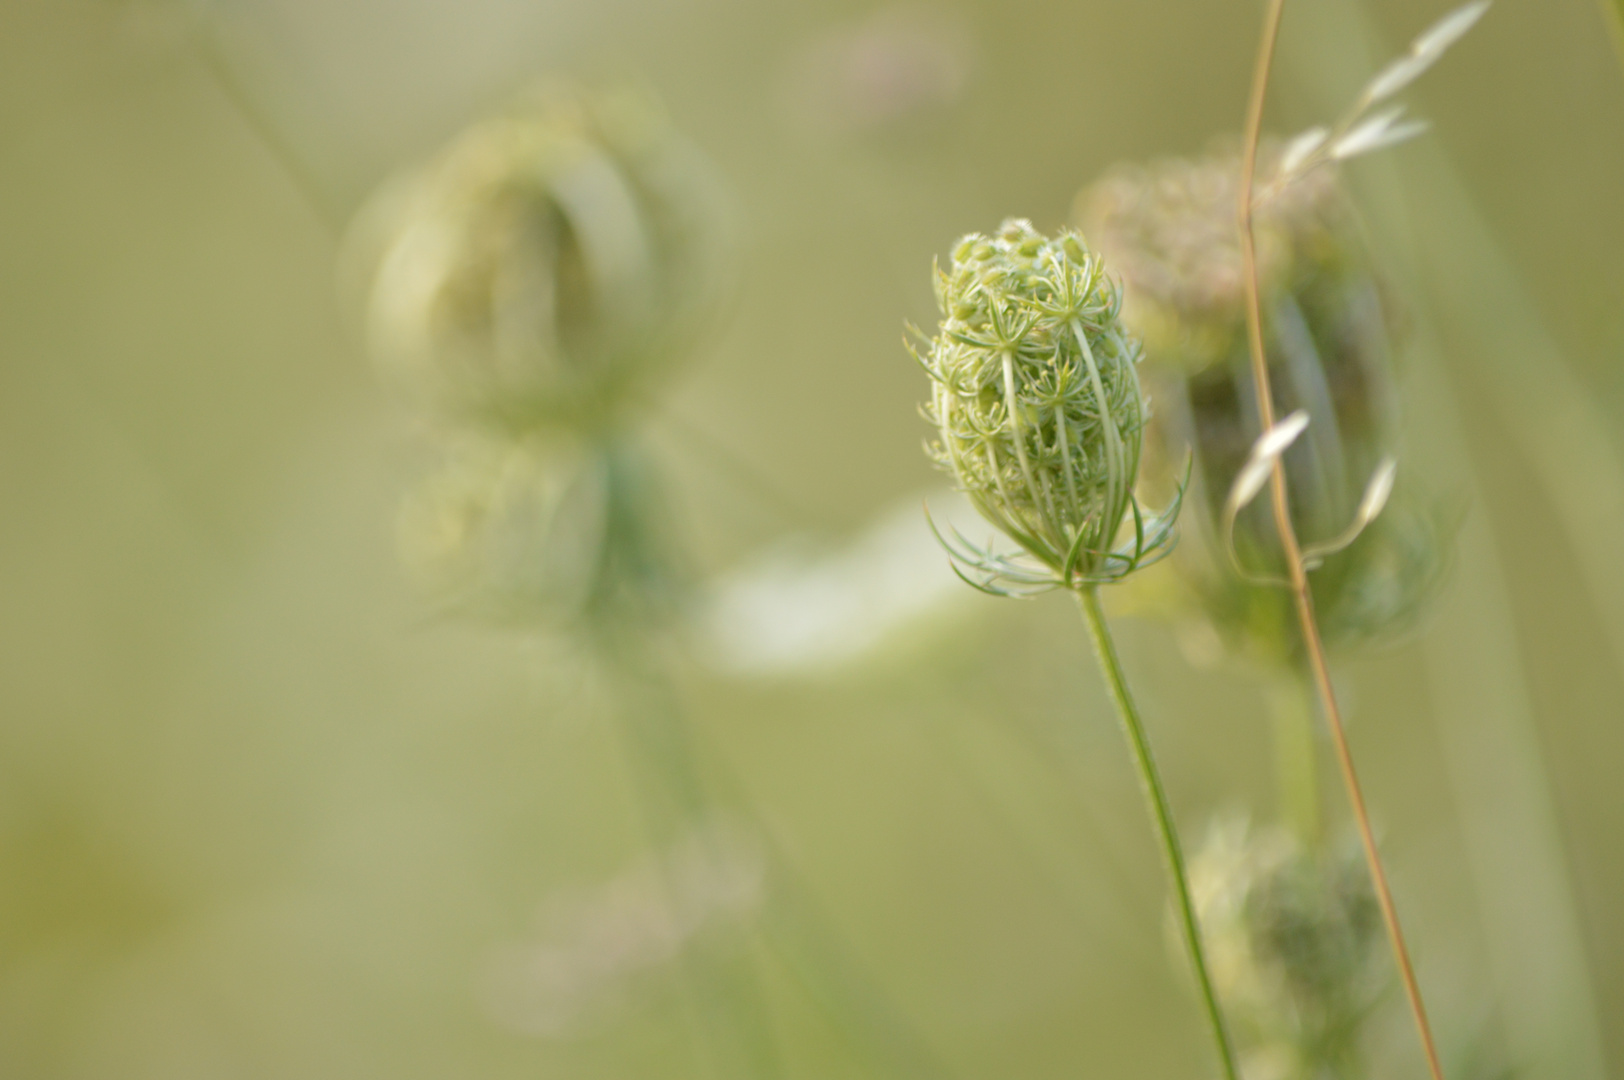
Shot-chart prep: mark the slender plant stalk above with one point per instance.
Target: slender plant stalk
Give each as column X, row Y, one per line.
column 724, row 992
column 727, row 994
column 1313, row 645
column 1161, row 813
column 1296, row 761
column 205, row 40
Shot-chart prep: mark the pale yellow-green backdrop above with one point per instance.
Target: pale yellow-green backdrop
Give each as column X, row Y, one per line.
column 263, row 815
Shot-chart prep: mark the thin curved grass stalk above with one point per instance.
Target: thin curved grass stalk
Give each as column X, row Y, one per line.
column 1161, row 813
column 1279, row 499
column 1442, row 248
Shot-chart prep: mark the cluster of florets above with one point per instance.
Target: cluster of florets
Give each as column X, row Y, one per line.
column 548, row 263
column 1038, row 407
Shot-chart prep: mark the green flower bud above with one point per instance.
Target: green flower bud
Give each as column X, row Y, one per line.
column 1169, row 229
column 1038, row 407
column 545, row 266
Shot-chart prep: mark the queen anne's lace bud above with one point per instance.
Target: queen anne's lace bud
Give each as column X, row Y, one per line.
column 548, row 262
column 1038, row 407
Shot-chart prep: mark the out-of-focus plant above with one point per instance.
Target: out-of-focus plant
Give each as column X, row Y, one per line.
column 528, row 289
column 1168, row 229
column 1283, row 314
column 1378, row 554
column 1040, row 420
column 1295, row 939
column 549, row 265
column 524, row 288
column 1359, row 131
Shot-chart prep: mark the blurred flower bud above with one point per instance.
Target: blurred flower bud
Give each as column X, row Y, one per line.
column 1036, row 398
column 517, row 535
column 1170, row 231
column 1295, row 944
column 546, row 265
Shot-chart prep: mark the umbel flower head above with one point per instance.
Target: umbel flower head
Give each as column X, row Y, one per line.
column 1330, row 332
column 1039, row 412
column 547, row 264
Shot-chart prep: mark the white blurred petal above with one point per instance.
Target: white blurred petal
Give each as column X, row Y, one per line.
column 796, row 610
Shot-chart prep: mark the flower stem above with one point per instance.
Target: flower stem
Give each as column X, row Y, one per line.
column 1296, row 757
column 724, row 992
column 1319, row 666
column 1161, row 814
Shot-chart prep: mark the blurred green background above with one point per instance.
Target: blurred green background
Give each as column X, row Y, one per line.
column 264, row 814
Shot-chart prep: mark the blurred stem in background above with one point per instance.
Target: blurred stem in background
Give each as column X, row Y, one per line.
column 723, row 989
column 1296, row 757
column 204, row 35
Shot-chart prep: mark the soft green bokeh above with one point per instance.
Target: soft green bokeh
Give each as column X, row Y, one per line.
column 265, row 813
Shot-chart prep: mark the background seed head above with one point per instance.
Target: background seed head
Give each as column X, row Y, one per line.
column 1295, row 942
column 547, row 265
column 1169, row 232
column 1035, row 395
column 1331, row 334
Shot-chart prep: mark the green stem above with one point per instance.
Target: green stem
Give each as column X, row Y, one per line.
column 1296, row 757
column 736, row 1030
column 1161, row 813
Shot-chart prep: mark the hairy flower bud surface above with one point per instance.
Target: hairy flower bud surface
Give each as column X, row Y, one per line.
column 546, row 265
column 1036, row 399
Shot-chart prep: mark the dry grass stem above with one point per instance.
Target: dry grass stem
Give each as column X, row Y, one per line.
column 1295, row 567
